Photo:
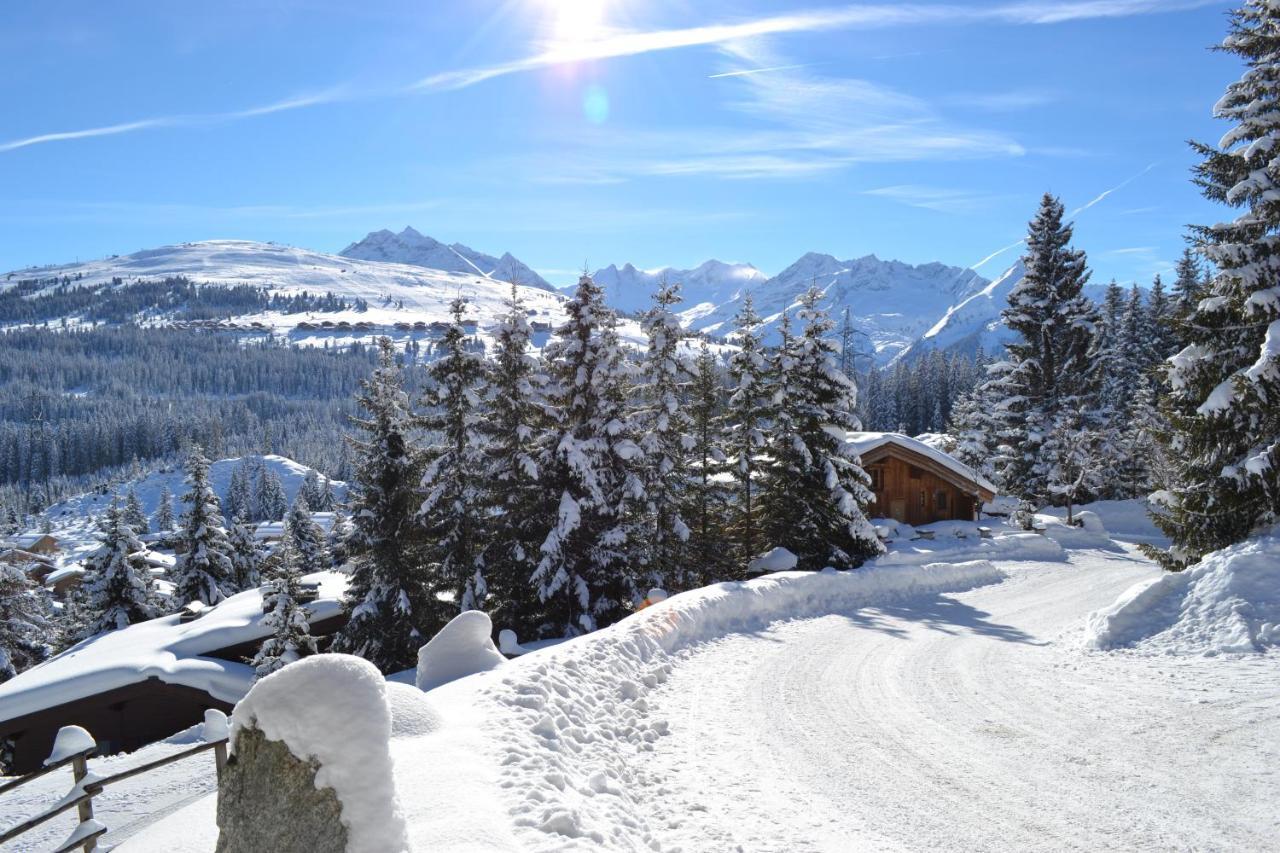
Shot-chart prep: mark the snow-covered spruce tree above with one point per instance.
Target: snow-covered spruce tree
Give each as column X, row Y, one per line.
column 133, row 514
column 586, row 574
column 1050, row 368
column 1225, row 383
column 975, row 430
column 27, row 628
column 512, row 496
column 285, row 617
column 1073, row 463
column 1188, row 287
column 247, row 555
column 814, row 492
column 664, row 429
column 1158, row 327
column 709, row 551
column 269, row 499
column 118, row 589
column 392, row 603
column 203, row 568
column 450, row 512
column 313, row 491
column 308, row 538
column 165, row 520
column 338, row 536
column 746, row 414
column 240, row 502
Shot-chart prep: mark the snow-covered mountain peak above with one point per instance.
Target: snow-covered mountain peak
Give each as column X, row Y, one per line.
column 417, row 249
column 629, row 289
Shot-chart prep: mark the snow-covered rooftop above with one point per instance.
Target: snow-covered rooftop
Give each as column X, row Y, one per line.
column 163, row 648
column 865, row 442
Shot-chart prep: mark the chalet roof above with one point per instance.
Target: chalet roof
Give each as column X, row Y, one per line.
column 25, row 541
column 866, row 442
column 164, row 648
column 275, row 529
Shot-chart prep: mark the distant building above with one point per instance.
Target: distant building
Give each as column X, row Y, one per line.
column 35, row 543
column 918, row 484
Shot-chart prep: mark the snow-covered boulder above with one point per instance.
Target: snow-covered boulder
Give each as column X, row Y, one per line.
column 1228, row 602
column 463, row 647
column 311, row 744
column 774, row 560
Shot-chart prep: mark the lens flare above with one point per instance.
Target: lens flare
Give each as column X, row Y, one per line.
column 595, row 104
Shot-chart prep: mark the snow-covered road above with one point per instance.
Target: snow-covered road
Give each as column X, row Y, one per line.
column 966, row 721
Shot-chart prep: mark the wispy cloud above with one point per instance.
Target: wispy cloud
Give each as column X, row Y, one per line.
column 185, row 120
column 747, row 72
column 933, row 198
column 1102, row 195
column 618, row 44
column 1001, row 102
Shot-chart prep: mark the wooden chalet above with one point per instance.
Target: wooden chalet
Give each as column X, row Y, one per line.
column 915, row 483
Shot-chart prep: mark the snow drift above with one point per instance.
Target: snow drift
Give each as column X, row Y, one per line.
column 463, row 647
column 1229, row 602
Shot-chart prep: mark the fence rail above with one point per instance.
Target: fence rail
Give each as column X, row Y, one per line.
column 86, row 786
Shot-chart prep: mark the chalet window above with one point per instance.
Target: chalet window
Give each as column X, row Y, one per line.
column 877, row 479
column 940, row 499
column 915, row 473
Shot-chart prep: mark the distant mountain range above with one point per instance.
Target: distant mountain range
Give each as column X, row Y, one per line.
column 898, row 310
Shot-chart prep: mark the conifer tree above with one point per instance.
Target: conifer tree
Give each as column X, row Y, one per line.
column 165, row 521
column 338, row 536
column 290, row 638
column 240, row 502
column 1187, row 289
column 308, row 539
column 450, row 511
column 312, row 491
column 513, row 497
column 247, row 555
column 1051, row 367
column 814, row 492
column 664, row 427
column 709, row 554
column 203, row 568
column 392, row 603
column 118, row 589
column 746, row 416
column 585, row 577
column 133, row 514
column 269, row 497
column 975, row 430
column 1225, row 382
column 26, row 623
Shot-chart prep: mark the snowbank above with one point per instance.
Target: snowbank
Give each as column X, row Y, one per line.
column 333, row 709
column 947, row 546
column 1124, row 521
column 1227, row 603
column 463, row 647
column 575, row 719
column 774, row 560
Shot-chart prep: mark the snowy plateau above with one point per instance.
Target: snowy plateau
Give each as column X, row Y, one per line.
column 407, row 280
column 946, row 696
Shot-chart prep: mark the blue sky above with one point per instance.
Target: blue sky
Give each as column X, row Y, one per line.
column 601, row 131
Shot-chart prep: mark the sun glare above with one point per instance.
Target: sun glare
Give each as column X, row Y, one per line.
column 576, row 21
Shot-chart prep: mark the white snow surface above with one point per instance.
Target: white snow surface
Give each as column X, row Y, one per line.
column 163, row 648
column 419, row 250
column 777, row 559
column 70, row 740
column 701, row 288
column 1227, row 603
column 889, row 708
column 333, row 709
column 463, row 647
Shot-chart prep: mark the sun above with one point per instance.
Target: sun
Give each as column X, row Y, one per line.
column 575, row 21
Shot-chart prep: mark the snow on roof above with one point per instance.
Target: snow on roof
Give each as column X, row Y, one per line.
column 26, row 540
column 69, row 571
column 865, row 442
column 275, row 529
column 162, row 648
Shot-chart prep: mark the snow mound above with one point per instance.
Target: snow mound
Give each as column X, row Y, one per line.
column 1124, row 521
column 578, row 720
column 1229, row 602
column 333, row 709
column 774, row 560
column 412, row 713
column 70, row 741
column 463, row 647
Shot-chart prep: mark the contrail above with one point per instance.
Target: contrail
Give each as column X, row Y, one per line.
column 749, row 71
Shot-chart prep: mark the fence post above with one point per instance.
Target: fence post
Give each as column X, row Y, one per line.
column 220, row 758
column 80, row 769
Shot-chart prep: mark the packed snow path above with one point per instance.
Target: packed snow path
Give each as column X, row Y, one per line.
column 967, row 721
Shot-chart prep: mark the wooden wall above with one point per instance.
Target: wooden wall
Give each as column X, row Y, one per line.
column 913, row 495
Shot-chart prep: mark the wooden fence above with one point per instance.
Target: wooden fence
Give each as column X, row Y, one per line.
column 86, row 785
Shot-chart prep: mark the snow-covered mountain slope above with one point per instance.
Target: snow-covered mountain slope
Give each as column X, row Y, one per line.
column 703, row 288
column 419, row 250
column 891, row 303
column 403, row 300
column 74, row 521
